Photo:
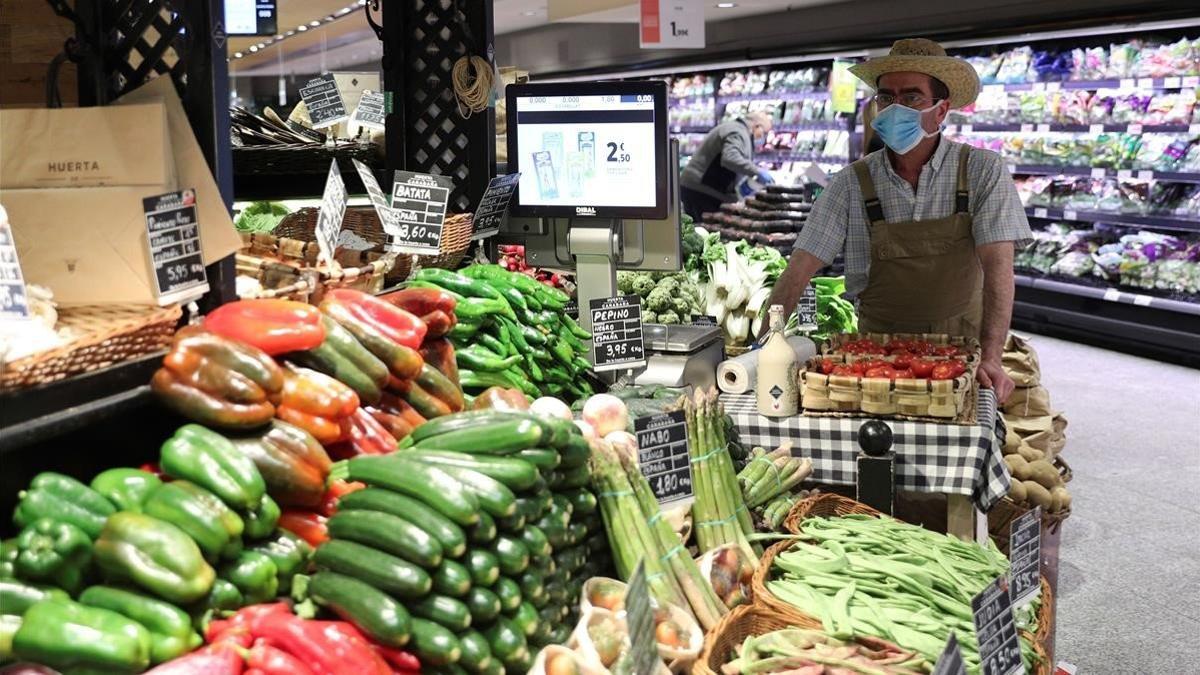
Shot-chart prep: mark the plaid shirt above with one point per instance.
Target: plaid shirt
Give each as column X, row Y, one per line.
column 838, row 220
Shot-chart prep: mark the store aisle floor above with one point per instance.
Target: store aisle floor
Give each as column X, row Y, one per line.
column 1129, row 579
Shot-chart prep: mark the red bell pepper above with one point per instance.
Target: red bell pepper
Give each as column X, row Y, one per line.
column 364, row 436
column 270, row 660
column 394, row 424
column 338, row 489
column 307, row 525
column 401, row 360
column 438, row 323
column 322, row 645
column 274, row 326
column 316, row 403
column 398, row 325
column 424, row 402
column 421, row 301
column 353, row 635
column 402, row 661
column 217, row 659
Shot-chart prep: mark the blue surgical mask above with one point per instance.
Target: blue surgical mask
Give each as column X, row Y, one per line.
column 899, row 127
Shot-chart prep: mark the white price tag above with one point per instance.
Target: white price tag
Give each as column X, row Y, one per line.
column 1145, row 83
column 1145, row 175
column 1098, row 172
column 1128, row 83
column 671, row 24
column 1043, row 128
column 1171, row 82
column 1124, row 174
column 1070, row 215
column 1191, row 81
column 1040, row 213
column 1096, row 129
column 1038, row 86
column 1142, row 300
column 1026, row 128
column 1053, row 86
column 1134, row 128
column 1112, row 295
column 967, row 128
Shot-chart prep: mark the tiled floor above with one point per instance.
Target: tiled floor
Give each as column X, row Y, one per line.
column 1129, row 580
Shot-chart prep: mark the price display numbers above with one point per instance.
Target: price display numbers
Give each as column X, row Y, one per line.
column 951, row 661
column 806, row 310
column 663, row 455
column 617, row 333
column 329, row 216
column 1025, row 554
column 639, row 618
column 419, row 200
column 704, row 320
column 14, row 300
column 617, row 153
column 371, row 110
column 173, row 238
column 489, row 215
column 323, row 101
column 996, row 631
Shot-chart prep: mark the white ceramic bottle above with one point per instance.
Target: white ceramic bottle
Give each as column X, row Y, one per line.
column 777, row 388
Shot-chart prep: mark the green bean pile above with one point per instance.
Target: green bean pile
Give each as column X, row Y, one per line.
column 880, row 577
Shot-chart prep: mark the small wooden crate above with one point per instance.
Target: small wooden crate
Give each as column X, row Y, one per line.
column 940, row 400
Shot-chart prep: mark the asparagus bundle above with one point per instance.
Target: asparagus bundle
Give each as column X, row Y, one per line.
column 770, row 474
column 719, row 511
column 777, row 509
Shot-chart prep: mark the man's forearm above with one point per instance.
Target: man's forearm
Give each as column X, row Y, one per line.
column 998, row 291
column 800, row 269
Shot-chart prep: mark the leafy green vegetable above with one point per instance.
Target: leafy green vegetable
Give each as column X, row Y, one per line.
column 260, row 217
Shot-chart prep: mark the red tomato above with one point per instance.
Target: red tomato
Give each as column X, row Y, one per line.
column 946, row 350
column 921, row 347
column 880, row 371
column 902, row 359
column 904, row 374
column 943, row 371
column 857, row 368
column 827, row 366
column 896, row 346
column 921, row 368
column 843, row 369
column 958, row 367
column 875, row 363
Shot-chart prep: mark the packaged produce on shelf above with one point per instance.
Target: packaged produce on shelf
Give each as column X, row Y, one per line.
column 1146, row 151
column 699, row 113
column 1134, row 197
column 1117, row 61
column 798, row 80
column 742, row 83
column 694, row 85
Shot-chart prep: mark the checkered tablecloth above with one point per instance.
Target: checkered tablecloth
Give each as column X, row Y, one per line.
column 930, row 457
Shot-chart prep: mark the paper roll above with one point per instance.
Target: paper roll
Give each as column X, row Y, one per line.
column 738, row 375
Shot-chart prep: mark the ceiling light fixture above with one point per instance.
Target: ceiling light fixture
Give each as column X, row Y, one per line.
column 237, row 55
column 726, row 5
column 301, row 28
column 253, row 48
column 314, row 22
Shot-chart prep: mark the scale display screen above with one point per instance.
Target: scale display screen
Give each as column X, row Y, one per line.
column 591, row 149
column 250, row 17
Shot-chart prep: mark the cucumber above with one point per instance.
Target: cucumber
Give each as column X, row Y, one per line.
column 516, row 473
column 562, row 506
column 388, row 533
column 433, row 644
column 577, row 533
column 545, row 459
column 512, row 555
column 444, row 610
column 529, row 507
column 545, row 501
column 541, row 637
column 506, row 640
column 484, row 567
column 490, row 438
column 556, row 593
column 561, row 431
column 580, row 476
column 512, row 524
column 526, row 618
column 466, row 420
column 533, row 587
column 494, row 497
column 476, row 653
column 560, row 634
column 483, row 532
column 370, row 609
column 574, row 452
column 446, row 531
column 384, row 571
column 509, row 593
column 583, row 502
column 520, row 662
column 535, row 541
column 483, row 604
column 451, row 578
column 421, row 481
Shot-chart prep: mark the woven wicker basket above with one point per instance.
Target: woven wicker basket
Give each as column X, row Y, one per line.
column 105, row 336
column 824, row 505
column 299, row 158
column 739, row 624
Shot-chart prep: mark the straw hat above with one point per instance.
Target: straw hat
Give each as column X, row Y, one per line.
column 918, row 55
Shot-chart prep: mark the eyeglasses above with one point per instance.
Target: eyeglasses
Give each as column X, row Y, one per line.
column 909, row 100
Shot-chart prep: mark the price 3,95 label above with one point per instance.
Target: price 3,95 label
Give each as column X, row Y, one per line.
column 617, row 333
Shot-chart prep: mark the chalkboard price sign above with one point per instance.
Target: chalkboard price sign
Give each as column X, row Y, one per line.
column 1025, row 552
column 419, row 201
column 996, row 631
column 489, row 215
column 617, row 333
column 323, row 101
column 663, row 455
column 173, row 238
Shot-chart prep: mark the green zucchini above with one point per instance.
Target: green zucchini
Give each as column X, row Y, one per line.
column 483, row 532
column 433, row 644
column 476, row 654
column 370, row 609
column 577, row 533
column 465, row 420
column 506, row 640
column 574, row 452
column 517, row 474
column 483, row 604
column 513, row 524
column 484, row 567
column 494, row 497
column 492, row 438
column 428, row 483
column 556, row 593
column 529, row 507
column 544, row 632
column 526, row 618
column 535, row 541
column 446, row 531
column 509, row 593
column 451, row 578
column 545, row 459
column 521, row 662
column 561, row 430
column 580, row 476
column 583, row 502
column 562, row 508
column 512, row 555
column 533, row 587
column 444, row 610
column 384, row 571
column 388, row 533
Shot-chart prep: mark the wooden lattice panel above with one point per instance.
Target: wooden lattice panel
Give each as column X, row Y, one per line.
column 146, row 39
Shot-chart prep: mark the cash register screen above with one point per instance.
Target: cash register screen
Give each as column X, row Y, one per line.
column 595, row 149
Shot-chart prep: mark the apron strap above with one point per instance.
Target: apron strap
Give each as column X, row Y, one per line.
column 867, row 187
column 960, row 195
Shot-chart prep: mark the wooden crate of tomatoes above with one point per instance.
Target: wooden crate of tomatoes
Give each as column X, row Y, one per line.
column 928, row 376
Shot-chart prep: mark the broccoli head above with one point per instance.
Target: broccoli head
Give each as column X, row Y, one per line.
column 682, row 304
column 625, row 282
column 642, row 283
column 649, row 316
column 670, row 284
column 660, row 300
column 669, row 317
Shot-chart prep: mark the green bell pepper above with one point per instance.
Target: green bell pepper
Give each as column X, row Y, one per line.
column 211, row 461
column 69, row 636
column 53, row 552
column 16, row 597
column 289, row 553
column 155, row 555
column 215, row 528
column 224, row 597
column 58, row 497
column 171, row 632
column 8, row 558
column 254, row 574
column 260, row 522
column 127, row 488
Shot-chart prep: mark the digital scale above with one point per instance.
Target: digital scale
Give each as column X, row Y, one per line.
column 681, row 355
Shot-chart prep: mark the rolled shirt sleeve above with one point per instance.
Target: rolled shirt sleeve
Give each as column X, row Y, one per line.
column 996, row 210
column 824, row 231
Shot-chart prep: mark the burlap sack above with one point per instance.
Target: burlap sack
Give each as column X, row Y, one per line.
column 1028, row 402
column 1020, row 361
column 1046, row 433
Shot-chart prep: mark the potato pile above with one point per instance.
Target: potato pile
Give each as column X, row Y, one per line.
column 1035, row 480
column 1035, row 434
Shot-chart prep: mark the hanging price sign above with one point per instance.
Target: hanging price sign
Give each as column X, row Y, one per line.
column 419, row 200
column 663, row 455
column 617, row 333
column 996, row 631
column 173, row 238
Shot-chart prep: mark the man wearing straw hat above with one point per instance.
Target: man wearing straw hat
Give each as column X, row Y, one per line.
column 927, row 226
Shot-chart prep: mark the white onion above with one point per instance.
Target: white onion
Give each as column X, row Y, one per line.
column 548, row 406
column 606, row 413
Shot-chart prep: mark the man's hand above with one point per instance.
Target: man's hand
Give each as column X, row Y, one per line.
column 991, row 375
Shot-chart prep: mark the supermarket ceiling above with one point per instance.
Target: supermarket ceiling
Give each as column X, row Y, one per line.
column 319, row 35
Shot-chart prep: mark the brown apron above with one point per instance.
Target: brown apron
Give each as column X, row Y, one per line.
column 925, row 275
